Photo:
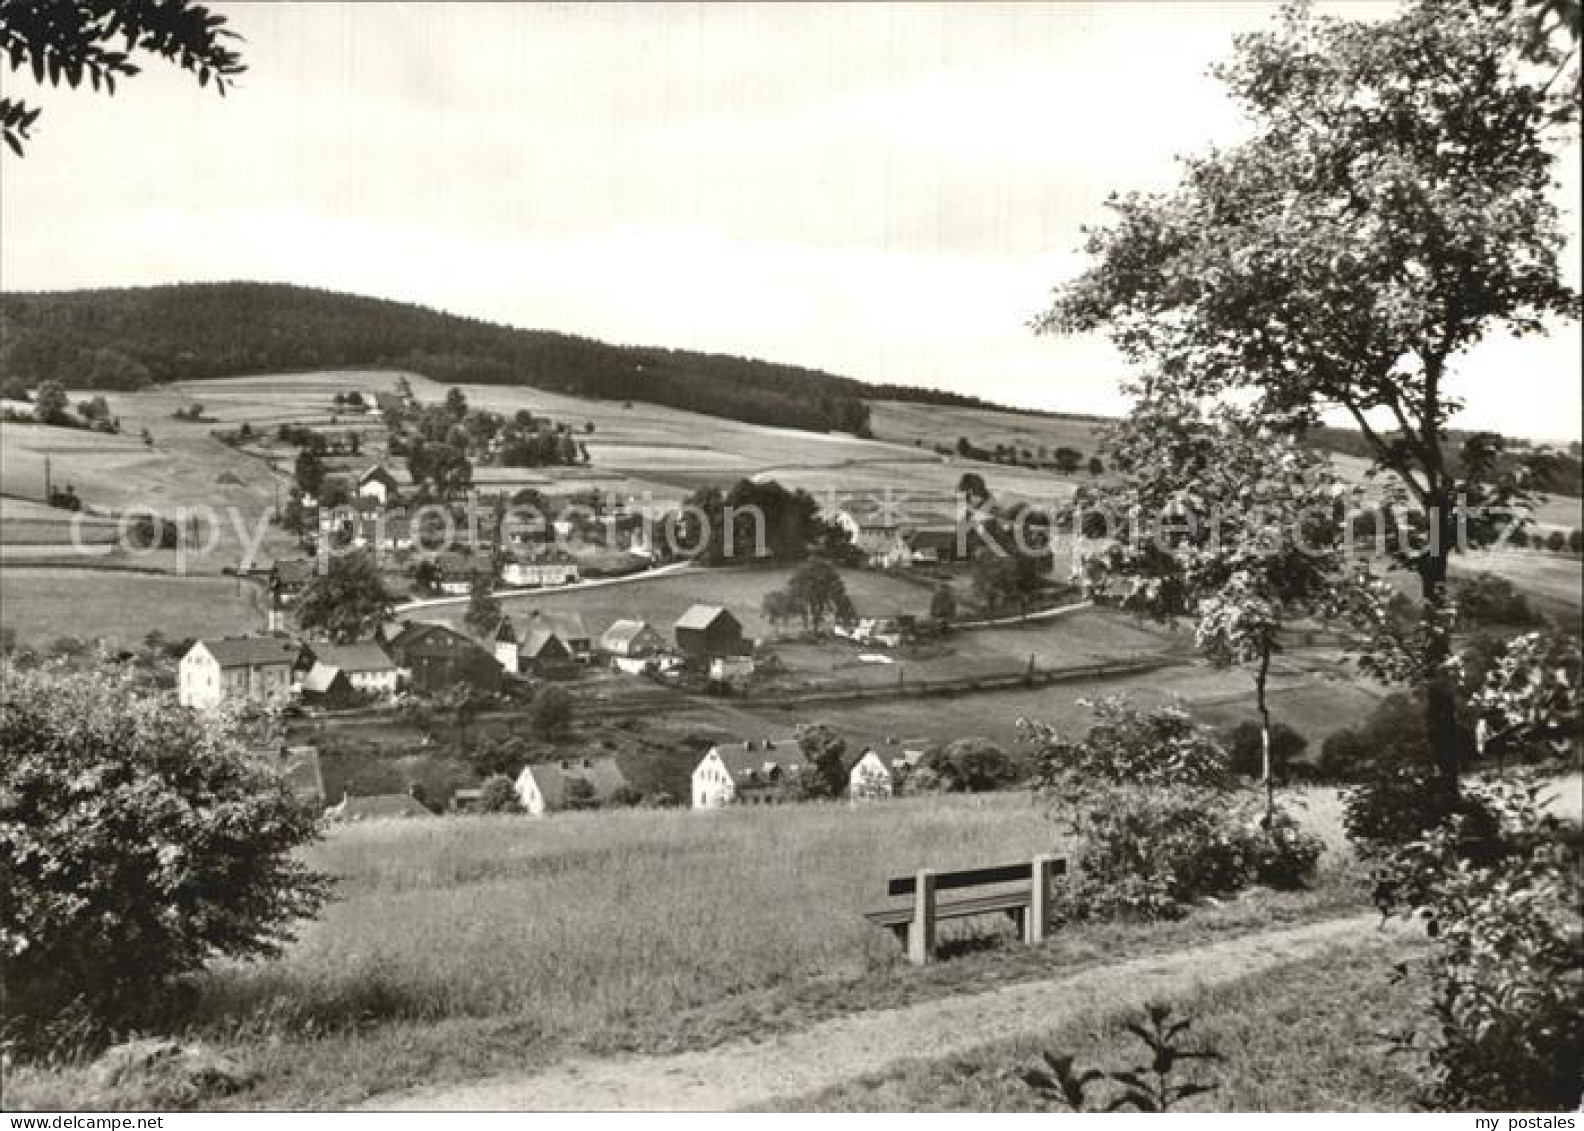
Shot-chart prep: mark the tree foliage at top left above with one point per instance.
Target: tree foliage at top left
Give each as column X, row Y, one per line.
column 96, row 40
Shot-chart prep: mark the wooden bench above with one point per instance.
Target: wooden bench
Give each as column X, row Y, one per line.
column 1029, row 907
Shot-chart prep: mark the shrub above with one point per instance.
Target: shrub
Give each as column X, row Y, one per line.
column 1393, row 735
column 972, row 765
column 141, row 840
column 1149, row 851
column 1163, row 746
column 1245, row 751
column 1486, row 599
column 552, row 712
column 1151, row 1086
column 498, row 795
column 1401, row 803
column 1507, row 969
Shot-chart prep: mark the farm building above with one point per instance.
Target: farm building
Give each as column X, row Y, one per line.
column 868, row 776
column 377, row 807
column 367, row 666
column 569, row 627
column 572, row 783
column 933, row 545
column 535, row 573
column 754, row 772
column 706, row 631
column 457, row 572
column 731, row 669
column 378, row 484
column 237, row 669
column 883, row 544
column 289, row 576
column 437, row 656
column 630, row 644
column 324, row 685
column 545, row 654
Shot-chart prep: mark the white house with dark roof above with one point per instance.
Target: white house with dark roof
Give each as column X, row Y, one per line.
column 568, row 626
column 378, row 484
column 236, row 669
column 754, row 772
column 868, row 776
column 547, row 787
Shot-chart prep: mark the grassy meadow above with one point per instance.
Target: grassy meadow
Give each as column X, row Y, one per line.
column 43, row 604
column 463, row 946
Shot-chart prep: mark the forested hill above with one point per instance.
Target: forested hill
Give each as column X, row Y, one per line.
column 120, row 339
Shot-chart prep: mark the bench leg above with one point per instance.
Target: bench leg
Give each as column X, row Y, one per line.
column 1040, row 899
column 1019, row 919
column 921, row 932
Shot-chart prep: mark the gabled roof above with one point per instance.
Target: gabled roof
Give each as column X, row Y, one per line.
column 366, row 656
column 293, row 571
column 415, row 633
column 379, row 472
column 377, row 806
column 757, row 757
column 621, row 634
column 934, row 538
column 542, row 644
column 701, row 617
column 568, row 626
column 852, row 757
column 551, row 777
column 251, row 651
column 322, row 678
column 504, row 632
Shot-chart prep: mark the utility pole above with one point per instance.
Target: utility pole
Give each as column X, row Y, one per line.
column 47, row 492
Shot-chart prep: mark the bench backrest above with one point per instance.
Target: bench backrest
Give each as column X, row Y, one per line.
column 975, row 877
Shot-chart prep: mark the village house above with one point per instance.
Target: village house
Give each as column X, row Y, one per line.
column 630, row 645
column 324, row 685
column 378, row 484
column 883, row 544
column 569, row 627
column 457, row 572
column 707, row 631
column 289, row 576
column 890, row 632
column 377, row 807
column 367, row 666
column 549, row 787
column 544, row 654
column 537, row 573
column 754, row 772
column 436, row 657
column 868, row 776
column 236, row 669
column 505, row 643
column 935, row 545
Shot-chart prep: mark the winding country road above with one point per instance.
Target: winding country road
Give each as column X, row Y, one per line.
column 777, row 1071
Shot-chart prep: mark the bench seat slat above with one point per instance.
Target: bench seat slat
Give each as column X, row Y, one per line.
column 958, row 909
column 973, row 877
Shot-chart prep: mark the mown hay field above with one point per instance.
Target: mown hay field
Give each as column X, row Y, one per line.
column 122, row 607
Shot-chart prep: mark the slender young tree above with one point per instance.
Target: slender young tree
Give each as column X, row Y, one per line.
column 1228, row 522
column 1392, row 207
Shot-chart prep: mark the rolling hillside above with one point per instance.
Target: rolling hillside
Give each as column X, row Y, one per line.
column 130, row 338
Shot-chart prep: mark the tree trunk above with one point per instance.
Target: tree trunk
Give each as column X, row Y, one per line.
column 1440, row 694
column 1266, row 774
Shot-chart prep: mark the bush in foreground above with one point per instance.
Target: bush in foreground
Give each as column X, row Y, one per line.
column 1159, row 819
column 140, row 840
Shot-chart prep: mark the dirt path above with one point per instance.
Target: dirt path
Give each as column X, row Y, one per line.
column 833, row 1052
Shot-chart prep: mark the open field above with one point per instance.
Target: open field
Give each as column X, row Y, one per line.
column 662, row 600
column 1314, row 703
column 123, row 607
column 1553, row 583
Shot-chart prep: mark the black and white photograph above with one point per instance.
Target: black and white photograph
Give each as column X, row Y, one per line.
column 891, row 558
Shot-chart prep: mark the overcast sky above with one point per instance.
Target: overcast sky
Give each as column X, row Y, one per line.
column 883, row 191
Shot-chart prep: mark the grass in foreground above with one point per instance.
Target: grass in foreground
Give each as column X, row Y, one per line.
column 1303, row 1037
column 458, row 948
